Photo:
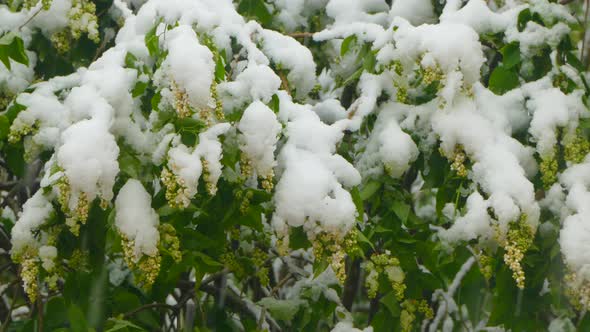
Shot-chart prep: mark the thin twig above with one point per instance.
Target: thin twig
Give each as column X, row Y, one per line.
column 284, row 81
column 149, row 306
column 31, row 18
column 4, row 326
column 281, row 284
column 8, row 185
column 40, row 314
column 303, row 34
column 583, row 53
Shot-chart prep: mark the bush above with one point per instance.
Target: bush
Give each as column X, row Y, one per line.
column 302, row 165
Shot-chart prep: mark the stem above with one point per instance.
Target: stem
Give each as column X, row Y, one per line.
column 40, row 314
column 149, row 306
column 284, row 82
column 303, row 34
column 31, row 18
column 4, row 326
column 280, row 284
column 583, row 54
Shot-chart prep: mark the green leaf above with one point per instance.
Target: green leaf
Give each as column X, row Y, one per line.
column 298, row 239
column 207, row 260
column 391, row 303
column 346, row 43
column 361, row 238
column 503, row 80
column 139, row 89
column 129, row 164
column 401, row 210
column 130, row 60
column 369, row 62
column 525, row 16
column 510, row 55
column 220, row 69
column 152, row 42
column 55, row 313
column 255, row 9
column 12, row 47
column 4, row 126
column 573, row 60
column 274, row 104
column 283, row 310
column 77, row 319
column 122, row 324
column 14, row 159
column 358, row 202
column 355, row 76
column 370, row 189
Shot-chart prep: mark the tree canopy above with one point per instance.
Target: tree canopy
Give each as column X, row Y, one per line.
column 294, row 165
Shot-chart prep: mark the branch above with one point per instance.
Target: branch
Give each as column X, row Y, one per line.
column 351, row 285
column 303, row 34
column 31, row 18
column 8, row 185
column 285, row 82
column 439, row 294
column 149, row 306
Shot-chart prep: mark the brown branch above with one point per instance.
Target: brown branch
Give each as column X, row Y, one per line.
column 351, row 284
column 583, row 55
column 303, row 34
column 4, row 326
column 280, row 284
column 40, row 314
column 284, row 82
column 31, row 18
column 8, row 185
column 149, row 306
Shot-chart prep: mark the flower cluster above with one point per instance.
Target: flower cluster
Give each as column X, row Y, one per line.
column 176, row 191
column 410, row 308
column 19, row 129
column 577, row 290
column 389, row 266
column 331, row 248
column 431, row 75
column 78, row 216
column 576, row 147
column 45, row 4
column 146, row 266
column 548, row 168
column 81, row 20
column 518, row 240
column 181, row 102
column 209, row 184
column 169, row 241
column 458, row 164
column 259, row 258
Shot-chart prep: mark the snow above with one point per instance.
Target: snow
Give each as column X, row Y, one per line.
column 388, row 147
column 136, row 219
column 88, row 156
column 85, row 117
column 448, row 45
column 190, row 64
column 256, row 82
column 291, row 55
column 259, row 129
column 187, row 164
column 36, row 211
column 348, row 327
column 48, row 255
column 311, row 191
column 416, row 12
